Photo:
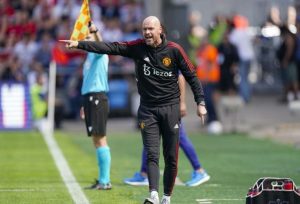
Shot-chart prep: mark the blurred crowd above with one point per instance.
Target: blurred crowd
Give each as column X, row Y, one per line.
column 29, row 34
column 228, row 51
column 223, row 52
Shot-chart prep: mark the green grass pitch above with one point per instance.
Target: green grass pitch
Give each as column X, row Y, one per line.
column 28, row 173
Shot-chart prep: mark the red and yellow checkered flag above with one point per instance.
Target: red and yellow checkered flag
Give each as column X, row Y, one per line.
column 81, row 29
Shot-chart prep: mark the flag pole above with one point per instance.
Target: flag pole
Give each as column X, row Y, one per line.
column 51, row 96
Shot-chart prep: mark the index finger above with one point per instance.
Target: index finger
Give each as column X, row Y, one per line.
column 202, row 119
column 67, row 41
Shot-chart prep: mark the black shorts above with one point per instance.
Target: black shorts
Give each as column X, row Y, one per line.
column 96, row 111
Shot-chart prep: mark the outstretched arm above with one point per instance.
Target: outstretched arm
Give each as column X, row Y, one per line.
column 111, row 48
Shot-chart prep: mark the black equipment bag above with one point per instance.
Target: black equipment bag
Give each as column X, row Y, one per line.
column 273, row 191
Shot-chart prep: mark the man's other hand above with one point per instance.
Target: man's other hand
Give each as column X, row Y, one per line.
column 201, row 112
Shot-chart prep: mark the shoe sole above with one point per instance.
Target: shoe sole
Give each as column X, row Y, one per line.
column 147, row 201
column 199, row 182
column 103, row 189
column 136, row 183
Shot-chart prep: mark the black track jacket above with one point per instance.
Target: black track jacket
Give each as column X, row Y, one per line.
column 157, row 69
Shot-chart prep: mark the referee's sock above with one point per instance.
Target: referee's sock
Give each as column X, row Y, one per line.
column 104, row 160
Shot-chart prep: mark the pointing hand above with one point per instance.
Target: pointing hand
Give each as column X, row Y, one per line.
column 201, row 112
column 70, row 44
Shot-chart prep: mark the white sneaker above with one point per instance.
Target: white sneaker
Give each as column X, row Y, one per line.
column 151, row 201
column 154, row 199
column 165, row 200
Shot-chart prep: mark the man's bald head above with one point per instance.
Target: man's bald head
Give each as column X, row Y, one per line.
column 152, row 19
column 152, row 30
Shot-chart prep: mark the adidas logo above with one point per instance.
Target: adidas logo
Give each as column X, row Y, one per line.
column 176, row 126
column 147, row 59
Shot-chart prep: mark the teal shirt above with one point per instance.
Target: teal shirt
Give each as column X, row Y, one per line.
column 95, row 76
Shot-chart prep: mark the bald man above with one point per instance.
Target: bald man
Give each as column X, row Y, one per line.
column 158, row 62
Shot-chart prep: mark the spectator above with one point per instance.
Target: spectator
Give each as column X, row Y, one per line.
column 6, row 9
column 208, row 71
column 286, row 57
column 21, row 24
column 241, row 38
column 43, row 54
column 228, row 60
column 112, row 31
column 38, row 98
column 131, row 14
column 217, row 29
column 69, row 8
column 196, row 33
column 36, row 72
column 297, row 50
column 43, row 16
column 110, row 10
column 12, row 71
column 27, row 43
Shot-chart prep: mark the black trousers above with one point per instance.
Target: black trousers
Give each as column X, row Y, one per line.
column 157, row 122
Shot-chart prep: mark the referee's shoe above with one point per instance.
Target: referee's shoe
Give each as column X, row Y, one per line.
column 99, row 186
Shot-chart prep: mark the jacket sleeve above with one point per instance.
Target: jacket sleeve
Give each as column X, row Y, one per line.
column 188, row 71
column 110, row 48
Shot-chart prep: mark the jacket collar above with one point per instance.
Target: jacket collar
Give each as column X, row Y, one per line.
column 163, row 43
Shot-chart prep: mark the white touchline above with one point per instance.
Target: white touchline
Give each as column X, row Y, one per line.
column 65, row 172
column 47, row 130
column 205, row 202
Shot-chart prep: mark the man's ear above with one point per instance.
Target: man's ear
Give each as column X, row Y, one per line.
column 163, row 29
column 160, row 29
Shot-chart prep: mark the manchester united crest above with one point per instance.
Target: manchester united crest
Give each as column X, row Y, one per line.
column 142, row 125
column 166, row 61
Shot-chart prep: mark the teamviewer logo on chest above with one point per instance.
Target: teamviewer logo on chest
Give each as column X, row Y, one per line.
column 152, row 71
